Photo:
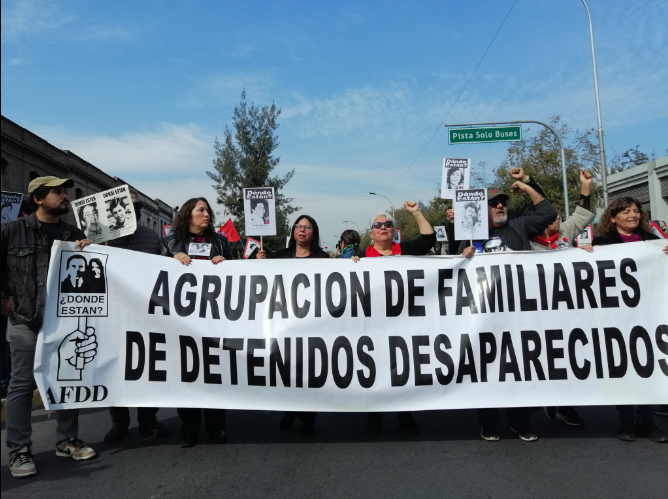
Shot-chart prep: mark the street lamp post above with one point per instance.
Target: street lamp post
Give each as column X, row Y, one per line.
column 375, row 194
column 561, row 145
column 350, row 222
column 604, row 171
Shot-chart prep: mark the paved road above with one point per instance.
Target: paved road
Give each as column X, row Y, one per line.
column 446, row 460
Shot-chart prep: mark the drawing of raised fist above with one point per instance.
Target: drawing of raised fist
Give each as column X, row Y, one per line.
column 75, row 351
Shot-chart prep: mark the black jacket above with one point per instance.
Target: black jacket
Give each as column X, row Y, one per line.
column 144, row 240
column 220, row 246
column 24, row 257
column 615, row 238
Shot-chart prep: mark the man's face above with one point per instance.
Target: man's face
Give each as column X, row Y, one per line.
column 77, row 267
column 6, row 210
column 56, row 201
column 90, row 214
column 470, row 214
column 259, row 209
column 498, row 213
column 119, row 212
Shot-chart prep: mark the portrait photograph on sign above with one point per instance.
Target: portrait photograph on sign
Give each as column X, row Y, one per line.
column 82, row 288
column 471, row 221
column 251, row 246
column 106, row 215
column 586, row 237
column 11, row 206
column 455, row 176
column 260, row 211
column 441, row 235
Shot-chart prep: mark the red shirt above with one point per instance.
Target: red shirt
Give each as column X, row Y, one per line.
column 371, row 251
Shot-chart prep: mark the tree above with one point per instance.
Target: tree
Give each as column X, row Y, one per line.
column 629, row 159
column 540, row 157
column 247, row 161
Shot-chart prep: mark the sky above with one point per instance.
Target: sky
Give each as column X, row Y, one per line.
column 142, row 89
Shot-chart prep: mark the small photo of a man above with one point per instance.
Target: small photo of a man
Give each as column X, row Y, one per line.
column 75, row 275
column 116, row 209
column 89, row 219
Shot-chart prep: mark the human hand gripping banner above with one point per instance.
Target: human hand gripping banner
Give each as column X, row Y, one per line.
column 557, row 328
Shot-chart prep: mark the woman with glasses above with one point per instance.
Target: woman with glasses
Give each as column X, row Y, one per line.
column 304, row 243
column 382, row 234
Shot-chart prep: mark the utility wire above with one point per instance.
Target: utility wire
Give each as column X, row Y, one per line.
column 456, row 100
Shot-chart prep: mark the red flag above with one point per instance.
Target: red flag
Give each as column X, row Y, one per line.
column 229, row 231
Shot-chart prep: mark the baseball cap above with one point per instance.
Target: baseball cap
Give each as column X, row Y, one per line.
column 50, row 182
column 495, row 193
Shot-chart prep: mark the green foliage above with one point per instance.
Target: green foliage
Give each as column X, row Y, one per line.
column 540, row 157
column 247, row 161
column 629, row 159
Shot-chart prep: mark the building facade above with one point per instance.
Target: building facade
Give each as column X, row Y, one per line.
column 648, row 183
column 26, row 156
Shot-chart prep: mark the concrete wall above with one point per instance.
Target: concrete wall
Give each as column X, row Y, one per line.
column 648, row 183
column 26, row 156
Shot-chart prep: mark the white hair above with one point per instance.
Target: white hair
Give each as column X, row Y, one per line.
column 381, row 214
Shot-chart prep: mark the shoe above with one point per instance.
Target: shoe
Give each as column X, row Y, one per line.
column 153, row 428
column 408, row 424
column 287, row 421
column 550, row 412
column 374, row 426
column 117, row 432
column 662, row 410
column 217, row 437
column 188, row 440
column 74, row 448
column 649, row 429
column 489, row 433
column 308, row 428
column 21, row 464
column 627, row 431
column 569, row 416
column 524, row 432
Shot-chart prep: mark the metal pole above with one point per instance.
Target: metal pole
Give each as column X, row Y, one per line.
column 374, row 194
column 604, row 170
column 350, row 222
column 561, row 145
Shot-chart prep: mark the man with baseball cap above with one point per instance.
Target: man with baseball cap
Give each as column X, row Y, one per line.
column 25, row 250
column 511, row 235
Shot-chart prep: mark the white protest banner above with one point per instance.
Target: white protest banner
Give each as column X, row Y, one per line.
column 11, row 205
column 106, row 215
column 441, row 235
column 553, row 328
column 586, row 237
column 455, row 175
column 260, row 211
column 251, row 245
column 470, row 207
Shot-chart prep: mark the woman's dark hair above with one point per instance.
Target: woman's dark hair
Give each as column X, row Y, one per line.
column 349, row 237
column 315, row 242
column 99, row 263
column 606, row 226
column 451, row 171
column 181, row 225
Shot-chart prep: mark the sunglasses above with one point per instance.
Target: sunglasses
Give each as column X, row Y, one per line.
column 378, row 225
column 495, row 202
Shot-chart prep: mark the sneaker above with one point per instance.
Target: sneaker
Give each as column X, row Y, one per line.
column 649, row 429
column 627, row 431
column 217, row 437
column 74, row 448
column 489, row 433
column 525, row 433
column 408, row 424
column 153, row 428
column 569, row 416
column 116, row 433
column 662, row 410
column 188, row 440
column 21, row 463
column 550, row 412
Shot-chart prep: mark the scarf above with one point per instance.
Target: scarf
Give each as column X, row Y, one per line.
column 550, row 242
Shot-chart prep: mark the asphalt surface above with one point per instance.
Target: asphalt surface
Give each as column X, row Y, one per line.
column 448, row 459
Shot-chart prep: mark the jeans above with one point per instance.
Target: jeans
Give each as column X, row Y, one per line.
column 6, row 362
column 517, row 416
column 633, row 412
column 23, row 340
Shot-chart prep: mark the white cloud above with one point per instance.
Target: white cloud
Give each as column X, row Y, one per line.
column 225, row 89
column 28, row 17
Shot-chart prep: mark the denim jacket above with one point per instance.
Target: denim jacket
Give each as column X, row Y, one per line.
column 24, row 257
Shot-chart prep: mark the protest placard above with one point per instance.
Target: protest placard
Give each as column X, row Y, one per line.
column 11, row 205
column 441, row 235
column 106, row 215
column 586, row 237
column 251, row 246
column 260, row 211
column 552, row 328
column 455, row 175
column 471, row 219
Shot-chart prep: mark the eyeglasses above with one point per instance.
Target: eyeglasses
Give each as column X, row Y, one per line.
column 305, row 228
column 378, row 225
column 495, row 202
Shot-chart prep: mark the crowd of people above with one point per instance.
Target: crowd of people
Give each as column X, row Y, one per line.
column 26, row 247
